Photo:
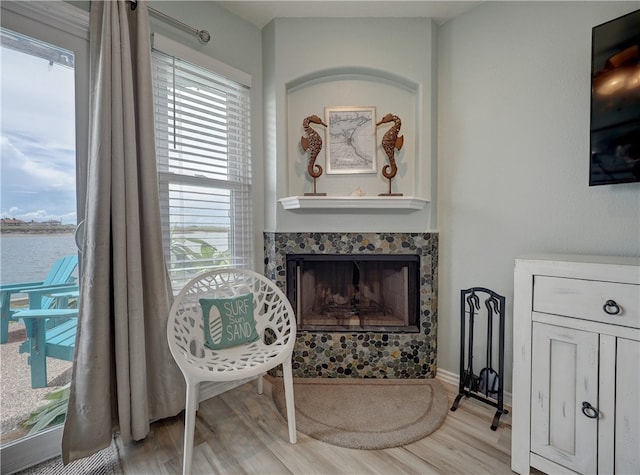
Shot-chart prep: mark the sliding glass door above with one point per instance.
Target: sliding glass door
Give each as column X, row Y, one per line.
column 44, row 64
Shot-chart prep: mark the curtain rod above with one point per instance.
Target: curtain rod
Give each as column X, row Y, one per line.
column 203, row 35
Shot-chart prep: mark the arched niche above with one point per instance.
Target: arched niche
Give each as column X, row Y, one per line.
column 388, row 92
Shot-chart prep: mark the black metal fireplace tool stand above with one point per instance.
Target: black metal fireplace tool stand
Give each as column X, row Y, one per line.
column 487, row 385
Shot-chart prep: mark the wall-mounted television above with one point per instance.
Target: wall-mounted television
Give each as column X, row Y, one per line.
column 615, row 101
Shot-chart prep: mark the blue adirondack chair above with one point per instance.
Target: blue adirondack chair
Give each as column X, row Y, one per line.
column 59, row 279
column 51, row 333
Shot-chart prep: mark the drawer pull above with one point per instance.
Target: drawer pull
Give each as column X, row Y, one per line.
column 589, row 411
column 611, row 307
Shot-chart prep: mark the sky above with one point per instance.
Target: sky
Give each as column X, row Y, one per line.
column 37, row 135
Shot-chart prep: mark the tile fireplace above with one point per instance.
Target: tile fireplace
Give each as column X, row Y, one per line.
column 377, row 320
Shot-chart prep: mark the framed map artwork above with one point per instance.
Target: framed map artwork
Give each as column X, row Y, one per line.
column 351, row 144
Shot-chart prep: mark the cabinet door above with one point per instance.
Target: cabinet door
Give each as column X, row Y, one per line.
column 564, row 375
column 627, row 438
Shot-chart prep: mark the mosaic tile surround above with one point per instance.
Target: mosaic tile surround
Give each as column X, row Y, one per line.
column 367, row 354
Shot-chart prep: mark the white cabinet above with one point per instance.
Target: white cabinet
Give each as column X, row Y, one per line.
column 576, row 392
column 564, row 375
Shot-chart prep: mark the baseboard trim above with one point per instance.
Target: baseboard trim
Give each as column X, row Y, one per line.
column 447, row 377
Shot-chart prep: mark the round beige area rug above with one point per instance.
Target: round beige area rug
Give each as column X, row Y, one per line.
column 366, row 413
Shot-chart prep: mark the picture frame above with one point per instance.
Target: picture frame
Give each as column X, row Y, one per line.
column 351, row 139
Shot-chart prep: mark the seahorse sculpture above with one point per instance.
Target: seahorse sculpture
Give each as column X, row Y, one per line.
column 391, row 142
column 313, row 144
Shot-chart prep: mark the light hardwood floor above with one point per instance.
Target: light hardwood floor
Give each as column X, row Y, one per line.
column 243, row 432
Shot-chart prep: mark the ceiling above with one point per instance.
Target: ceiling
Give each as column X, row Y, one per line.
column 262, row 12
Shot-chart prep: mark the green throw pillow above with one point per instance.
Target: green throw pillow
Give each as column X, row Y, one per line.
column 228, row 321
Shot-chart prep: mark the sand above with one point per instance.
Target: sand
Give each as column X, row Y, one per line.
column 17, row 399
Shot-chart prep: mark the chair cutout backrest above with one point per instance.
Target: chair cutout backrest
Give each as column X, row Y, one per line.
column 60, row 273
column 275, row 324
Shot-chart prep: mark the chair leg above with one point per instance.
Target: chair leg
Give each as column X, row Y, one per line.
column 193, row 390
column 5, row 315
column 4, row 328
column 288, row 397
column 260, row 384
column 36, row 347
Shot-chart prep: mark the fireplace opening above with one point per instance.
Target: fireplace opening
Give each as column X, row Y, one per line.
column 354, row 292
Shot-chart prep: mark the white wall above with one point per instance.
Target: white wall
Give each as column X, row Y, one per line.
column 513, row 151
column 312, row 63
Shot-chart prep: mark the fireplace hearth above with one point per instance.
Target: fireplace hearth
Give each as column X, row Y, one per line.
column 362, row 351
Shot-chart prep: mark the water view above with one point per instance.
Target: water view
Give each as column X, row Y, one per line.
column 28, row 257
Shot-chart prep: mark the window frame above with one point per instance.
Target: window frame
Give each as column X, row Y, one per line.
column 239, row 186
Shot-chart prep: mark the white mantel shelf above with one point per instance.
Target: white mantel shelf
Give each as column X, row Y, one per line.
column 353, row 202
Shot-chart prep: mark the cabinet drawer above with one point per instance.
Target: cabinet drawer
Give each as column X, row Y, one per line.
column 588, row 299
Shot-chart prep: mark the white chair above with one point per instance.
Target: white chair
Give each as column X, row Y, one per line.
column 275, row 325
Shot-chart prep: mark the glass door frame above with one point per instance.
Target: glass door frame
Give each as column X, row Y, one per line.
column 67, row 26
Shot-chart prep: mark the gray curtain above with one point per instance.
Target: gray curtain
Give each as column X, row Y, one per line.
column 123, row 373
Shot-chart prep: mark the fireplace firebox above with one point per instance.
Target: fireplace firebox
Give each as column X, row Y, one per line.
column 354, row 293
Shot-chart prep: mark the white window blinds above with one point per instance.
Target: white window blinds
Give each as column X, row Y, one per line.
column 204, row 165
